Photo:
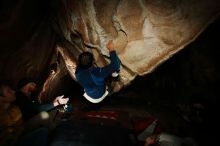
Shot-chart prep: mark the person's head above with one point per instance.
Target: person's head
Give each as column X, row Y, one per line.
column 27, row 86
column 85, row 60
column 7, row 94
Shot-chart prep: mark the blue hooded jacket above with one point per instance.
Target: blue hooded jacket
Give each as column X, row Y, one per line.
column 93, row 79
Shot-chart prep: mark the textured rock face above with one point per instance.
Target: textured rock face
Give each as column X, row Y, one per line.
column 145, row 32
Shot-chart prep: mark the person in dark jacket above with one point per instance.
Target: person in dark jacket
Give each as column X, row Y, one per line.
column 12, row 127
column 28, row 106
column 93, row 79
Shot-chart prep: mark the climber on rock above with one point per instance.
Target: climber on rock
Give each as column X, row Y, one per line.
column 93, row 79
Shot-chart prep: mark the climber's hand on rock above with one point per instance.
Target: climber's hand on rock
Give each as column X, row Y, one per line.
column 110, row 46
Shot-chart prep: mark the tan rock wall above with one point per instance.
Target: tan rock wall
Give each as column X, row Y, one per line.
column 145, row 32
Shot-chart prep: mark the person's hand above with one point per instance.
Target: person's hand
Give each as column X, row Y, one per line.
column 150, row 140
column 110, row 46
column 60, row 100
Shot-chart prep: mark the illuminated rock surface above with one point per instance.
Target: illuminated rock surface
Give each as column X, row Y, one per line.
column 145, row 32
